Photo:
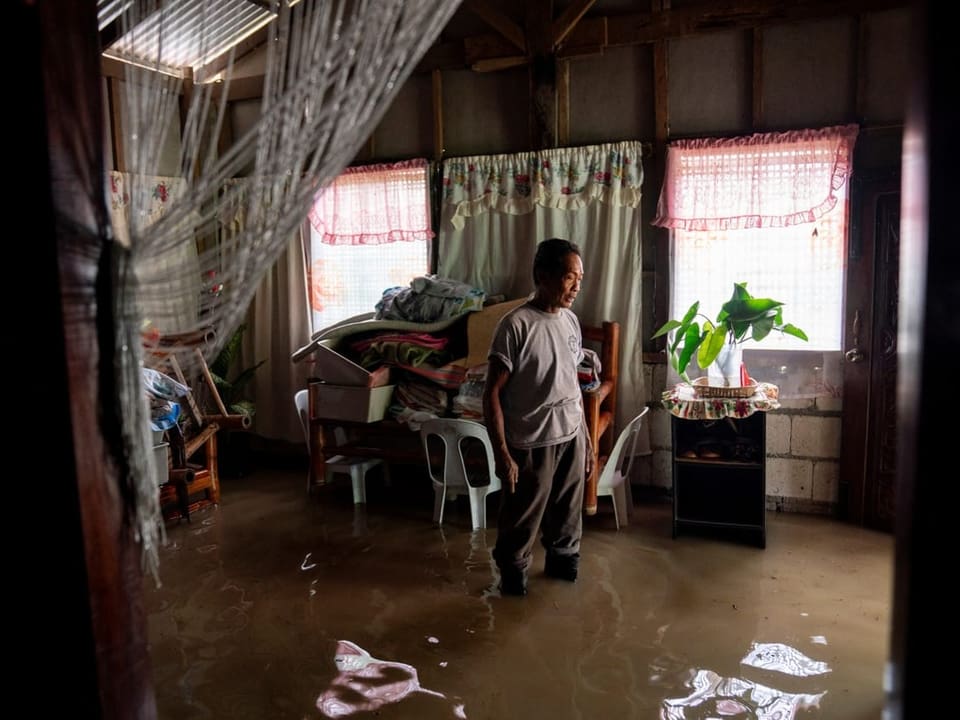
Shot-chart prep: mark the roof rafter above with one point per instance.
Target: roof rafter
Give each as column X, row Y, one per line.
column 592, row 34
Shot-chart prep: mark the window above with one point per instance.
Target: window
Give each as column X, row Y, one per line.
column 369, row 231
column 801, row 265
column 769, row 210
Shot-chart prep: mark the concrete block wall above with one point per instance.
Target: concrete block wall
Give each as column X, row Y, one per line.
column 803, row 451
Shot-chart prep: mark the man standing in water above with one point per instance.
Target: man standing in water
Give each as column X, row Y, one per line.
column 533, row 410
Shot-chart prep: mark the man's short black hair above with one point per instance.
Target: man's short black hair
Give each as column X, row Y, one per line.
column 550, row 256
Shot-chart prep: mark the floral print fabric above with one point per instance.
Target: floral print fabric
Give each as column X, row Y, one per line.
column 681, row 400
column 565, row 178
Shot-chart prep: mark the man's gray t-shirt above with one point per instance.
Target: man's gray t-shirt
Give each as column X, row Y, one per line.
column 541, row 401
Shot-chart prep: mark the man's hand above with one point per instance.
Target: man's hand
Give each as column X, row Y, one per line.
column 507, row 471
column 590, row 461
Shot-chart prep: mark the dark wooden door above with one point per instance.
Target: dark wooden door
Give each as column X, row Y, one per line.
column 868, row 454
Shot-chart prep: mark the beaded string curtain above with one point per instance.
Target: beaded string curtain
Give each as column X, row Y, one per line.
column 332, row 69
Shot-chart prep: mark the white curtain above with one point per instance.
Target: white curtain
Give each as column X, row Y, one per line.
column 591, row 198
column 278, row 325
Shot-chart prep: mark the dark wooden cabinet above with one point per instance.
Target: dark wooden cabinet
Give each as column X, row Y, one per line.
column 719, row 476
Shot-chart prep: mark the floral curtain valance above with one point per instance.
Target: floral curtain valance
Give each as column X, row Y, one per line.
column 761, row 180
column 375, row 204
column 565, row 178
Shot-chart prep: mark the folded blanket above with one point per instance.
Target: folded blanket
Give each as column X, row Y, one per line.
column 428, row 299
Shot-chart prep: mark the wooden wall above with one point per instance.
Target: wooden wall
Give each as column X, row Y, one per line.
column 683, row 69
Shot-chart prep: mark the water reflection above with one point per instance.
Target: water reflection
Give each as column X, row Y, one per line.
column 714, row 697
column 365, row 684
column 785, row 659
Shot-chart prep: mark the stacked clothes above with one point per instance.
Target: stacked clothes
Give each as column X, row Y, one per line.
column 428, row 299
column 401, row 348
column 422, row 395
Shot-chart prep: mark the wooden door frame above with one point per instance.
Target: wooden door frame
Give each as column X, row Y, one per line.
column 858, row 331
column 85, row 558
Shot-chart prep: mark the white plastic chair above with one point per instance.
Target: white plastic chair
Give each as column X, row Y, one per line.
column 453, row 478
column 355, row 467
column 614, row 478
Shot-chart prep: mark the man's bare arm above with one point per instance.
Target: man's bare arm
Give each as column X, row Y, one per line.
column 497, row 377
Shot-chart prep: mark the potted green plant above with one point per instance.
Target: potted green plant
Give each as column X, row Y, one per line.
column 718, row 343
column 233, row 393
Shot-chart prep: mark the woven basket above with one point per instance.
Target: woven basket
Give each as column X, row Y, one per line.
column 702, row 389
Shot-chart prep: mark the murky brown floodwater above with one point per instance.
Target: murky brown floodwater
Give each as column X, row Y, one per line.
column 276, row 605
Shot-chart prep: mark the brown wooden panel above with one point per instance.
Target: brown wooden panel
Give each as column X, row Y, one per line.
column 868, row 386
column 880, row 488
column 83, row 423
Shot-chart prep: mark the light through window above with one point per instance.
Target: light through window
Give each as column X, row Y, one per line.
column 769, row 210
column 801, row 266
column 369, row 231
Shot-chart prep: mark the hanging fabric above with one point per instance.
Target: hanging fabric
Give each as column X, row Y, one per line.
column 494, row 215
column 331, row 71
column 374, row 204
column 761, row 180
column 566, row 179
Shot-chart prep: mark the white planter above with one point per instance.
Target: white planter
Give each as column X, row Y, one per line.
column 725, row 370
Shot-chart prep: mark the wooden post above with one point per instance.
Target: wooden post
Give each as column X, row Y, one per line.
column 563, row 103
column 756, row 73
column 543, row 74
column 98, row 629
column 437, row 86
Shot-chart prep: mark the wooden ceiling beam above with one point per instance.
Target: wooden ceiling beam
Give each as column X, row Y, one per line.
column 568, row 19
column 499, row 63
column 591, row 34
column 499, row 22
column 589, row 37
column 112, row 68
column 642, row 28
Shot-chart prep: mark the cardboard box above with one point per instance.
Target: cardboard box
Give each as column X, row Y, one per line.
column 350, row 403
column 336, row 369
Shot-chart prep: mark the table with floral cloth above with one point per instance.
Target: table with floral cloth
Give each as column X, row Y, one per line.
column 683, row 402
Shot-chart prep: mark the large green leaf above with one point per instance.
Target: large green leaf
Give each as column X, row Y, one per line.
column 762, row 327
column 691, row 341
column 750, row 309
column 740, row 292
column 711, row 347
column 691, row 312
column 793, row 330
column 667, row 327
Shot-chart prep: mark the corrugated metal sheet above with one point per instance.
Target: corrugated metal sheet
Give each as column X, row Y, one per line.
column 179, row 34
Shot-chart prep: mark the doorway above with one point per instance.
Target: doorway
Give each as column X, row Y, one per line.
column 869, row 426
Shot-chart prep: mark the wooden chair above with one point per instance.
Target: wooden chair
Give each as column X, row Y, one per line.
column 193, row 481
column 600, row 404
